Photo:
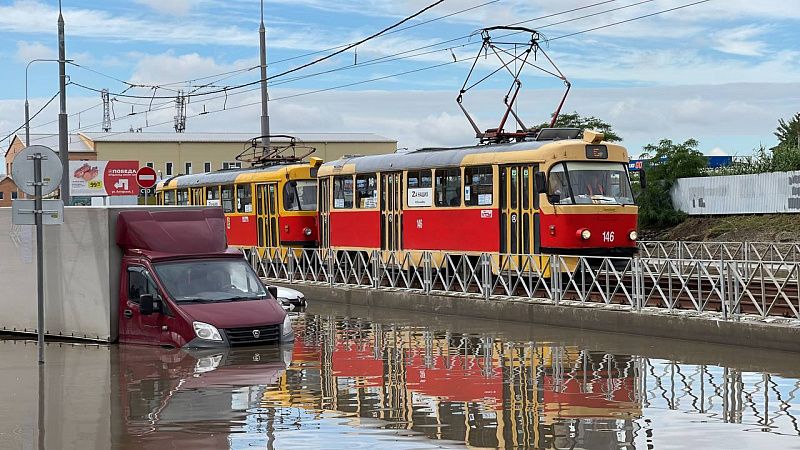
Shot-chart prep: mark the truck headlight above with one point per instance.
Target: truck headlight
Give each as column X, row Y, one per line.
column 206, row 331
column 287, row 334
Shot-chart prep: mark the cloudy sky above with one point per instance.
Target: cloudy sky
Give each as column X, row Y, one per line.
column 721, row 71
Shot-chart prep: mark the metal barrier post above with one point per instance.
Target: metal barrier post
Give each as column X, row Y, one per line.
column 375, row 269
column 331, row 275
column 290, row 263
column 638, row 283
column 555, row 278
column 427, row 275
column 722, row 291
column 487, row 276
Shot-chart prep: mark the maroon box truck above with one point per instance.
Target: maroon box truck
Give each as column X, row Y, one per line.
column 180, row 284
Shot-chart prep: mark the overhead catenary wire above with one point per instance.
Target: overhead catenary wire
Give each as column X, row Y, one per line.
column 431, row 67
column 34, row 115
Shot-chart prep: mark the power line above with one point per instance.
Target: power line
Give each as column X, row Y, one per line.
column 34, row 116
column 419, row 69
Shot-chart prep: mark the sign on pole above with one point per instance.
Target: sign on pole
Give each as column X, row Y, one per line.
column 103, row 178
column 23, row 167
column 37, row 171
column 146, row 177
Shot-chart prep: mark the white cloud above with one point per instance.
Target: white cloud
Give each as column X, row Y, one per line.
column 175, row 7
column 28, row 51
column 716, row 151
column 740, row 41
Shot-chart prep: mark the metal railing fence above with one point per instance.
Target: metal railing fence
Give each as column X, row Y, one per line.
column 727, row 289
column 730, row 251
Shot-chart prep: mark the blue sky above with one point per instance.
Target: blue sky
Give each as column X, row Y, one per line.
column 723, row 71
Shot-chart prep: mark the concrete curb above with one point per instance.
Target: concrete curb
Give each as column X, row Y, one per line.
column 693, row 328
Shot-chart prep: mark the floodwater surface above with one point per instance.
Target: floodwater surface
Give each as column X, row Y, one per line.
column 374, row 378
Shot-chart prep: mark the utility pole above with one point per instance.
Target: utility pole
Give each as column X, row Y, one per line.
column 63, row 142
column 262, row 32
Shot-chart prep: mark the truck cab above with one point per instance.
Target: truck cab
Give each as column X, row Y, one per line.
column 181, row 286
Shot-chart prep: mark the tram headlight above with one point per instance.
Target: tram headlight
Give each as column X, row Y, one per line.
column 584, row 234
column 633, row 235
column 307, row 231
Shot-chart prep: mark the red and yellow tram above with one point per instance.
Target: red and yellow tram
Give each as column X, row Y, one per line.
column 564, row 195
column 268, row 206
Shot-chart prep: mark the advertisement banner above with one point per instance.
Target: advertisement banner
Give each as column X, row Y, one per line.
column 103, row 178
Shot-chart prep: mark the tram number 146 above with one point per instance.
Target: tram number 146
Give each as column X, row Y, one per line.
column 608, row 236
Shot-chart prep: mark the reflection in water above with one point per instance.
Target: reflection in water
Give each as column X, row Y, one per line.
column 399, row 386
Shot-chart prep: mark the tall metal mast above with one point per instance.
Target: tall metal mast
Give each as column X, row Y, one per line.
column 262, row 31
column 63, row 144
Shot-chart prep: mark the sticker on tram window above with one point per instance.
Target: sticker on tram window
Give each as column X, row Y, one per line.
column 338, row 203
column 420, row 197
column 370, row 202
column 213, row 203
column 467, row 192
column 484, row 199
column 596, row 152
column 486, row 214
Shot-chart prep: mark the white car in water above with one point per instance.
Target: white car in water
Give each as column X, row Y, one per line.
column 290, row 299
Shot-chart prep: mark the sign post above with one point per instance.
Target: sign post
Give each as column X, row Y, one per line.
column 146, row 178
column 38, row 179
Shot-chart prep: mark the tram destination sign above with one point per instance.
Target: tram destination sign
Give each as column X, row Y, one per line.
column 103, row 178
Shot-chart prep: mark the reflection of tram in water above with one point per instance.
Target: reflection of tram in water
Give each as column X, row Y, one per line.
column 272, row 204
column 460, row 387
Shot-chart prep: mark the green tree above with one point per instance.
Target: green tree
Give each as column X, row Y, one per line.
column 788, row 133
column 666, row 162
column 574, row 120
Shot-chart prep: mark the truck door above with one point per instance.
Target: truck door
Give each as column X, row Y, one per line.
column 135, row 327
column 391, row 211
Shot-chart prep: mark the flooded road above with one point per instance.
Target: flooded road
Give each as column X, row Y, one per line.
column 371, row 378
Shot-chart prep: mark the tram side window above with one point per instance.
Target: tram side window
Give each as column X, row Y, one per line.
column 343, row 192
column 183, row 196
column 366, row 191
column 478, row 186
column 212, row 196
column 419, row 185
column 227, row 199
column 169, row 197
column 244, row 199
column 448, row 187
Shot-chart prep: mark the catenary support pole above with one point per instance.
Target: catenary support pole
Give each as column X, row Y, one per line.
column 262, row 32
column 63, row 143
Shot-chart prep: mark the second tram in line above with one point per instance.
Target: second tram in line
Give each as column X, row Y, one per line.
column 266, row 206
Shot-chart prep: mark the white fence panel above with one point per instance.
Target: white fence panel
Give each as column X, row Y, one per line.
column 763, row 193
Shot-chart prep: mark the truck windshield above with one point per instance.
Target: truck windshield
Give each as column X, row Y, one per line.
column 300, row 195
column 589, row 183
column 210, row 280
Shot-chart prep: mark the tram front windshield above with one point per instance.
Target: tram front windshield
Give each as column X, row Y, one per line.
column 590, row 183
column 300, row 195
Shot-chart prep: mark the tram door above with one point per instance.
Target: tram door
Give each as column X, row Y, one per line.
column 324, row 212
column 198, row 197
column 518, row 210
column 391, row 211
column 267, row 214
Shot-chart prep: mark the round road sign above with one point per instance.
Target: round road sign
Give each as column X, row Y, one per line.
column 146, row 177
column 22, row 169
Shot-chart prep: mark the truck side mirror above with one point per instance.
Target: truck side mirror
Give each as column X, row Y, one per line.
column 643, row 179
column 540, row 182
column 148, row 305
column 273, row 291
